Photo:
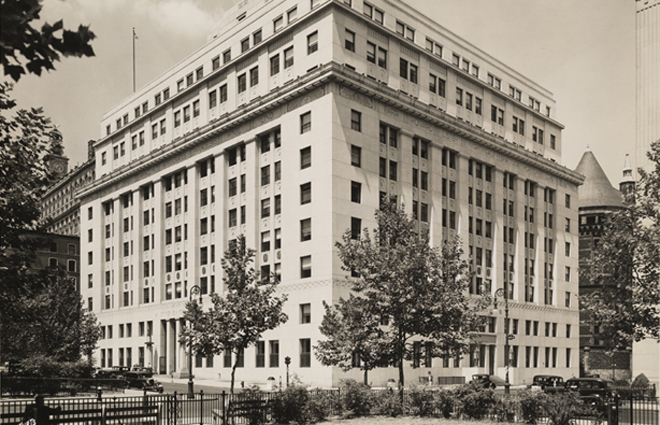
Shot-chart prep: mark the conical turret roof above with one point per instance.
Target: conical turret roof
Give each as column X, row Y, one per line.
column 596, row 191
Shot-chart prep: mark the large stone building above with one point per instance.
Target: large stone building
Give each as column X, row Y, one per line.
column 289, row 126
column 597, row 201
column 59, row 206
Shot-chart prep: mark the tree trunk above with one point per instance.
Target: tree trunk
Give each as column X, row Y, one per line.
column 233, row 372
column 401, row 382
column 366, row 380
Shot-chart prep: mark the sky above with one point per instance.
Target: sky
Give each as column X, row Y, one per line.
column 583, row 51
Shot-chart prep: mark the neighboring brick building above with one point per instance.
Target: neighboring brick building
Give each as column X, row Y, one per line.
column 597, row 200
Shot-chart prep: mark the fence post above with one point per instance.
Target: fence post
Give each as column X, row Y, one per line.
column 632, row 410
column 201, row 407
column 224, row 412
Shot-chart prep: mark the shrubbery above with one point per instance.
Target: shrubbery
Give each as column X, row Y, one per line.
column 419, row 401
column 356, row 399
column 474, row 401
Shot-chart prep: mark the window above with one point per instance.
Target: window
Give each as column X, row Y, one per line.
column 245, row 44
column 305, row 313
column 265, row 175
column 291, row 15
column 305, row 122
column 306, row 266
column 256, row 37
column 405, row 31
column 278, row 23
column 356, row 192
column 356, row 120
column 215, row 63
column 553, row 141
column 305, row 352
column 349, row 41
column 312, row 42
column 459, row 96
column 371, row 52
column 223, row 93
column 242, row 83
column 265, row 241
column 306, row 157
column 356, row 156
column 382, row 58
column 356, row 228
column 254, row 76
column 265, row 208
column 567, row 274
column 494, row 81
column 274, row 65
column 567, row 249
column 305, row 229
column 567, row 201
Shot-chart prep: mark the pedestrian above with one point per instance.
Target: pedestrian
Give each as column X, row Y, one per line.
column 38, row 413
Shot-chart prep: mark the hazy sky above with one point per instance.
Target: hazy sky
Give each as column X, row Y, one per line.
column 583, row 51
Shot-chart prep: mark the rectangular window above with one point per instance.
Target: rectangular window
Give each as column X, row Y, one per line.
column 242, row 83
column 459, row 96
column 306, row 266
column 312, row 42
column 305, row 352
column 232, row 217
column 356, row 192
column 356, row 120
column 356, row 228
column 305, row 313
column 305, row 157
column 265, row 175
column 265, row 208
column 265, row 241
column 305, row 193
column 254, row 76
column 356, row 156
column 305, row 122
column 305, row 229
column 349, row 41
column 288, row 58
column 274, row 65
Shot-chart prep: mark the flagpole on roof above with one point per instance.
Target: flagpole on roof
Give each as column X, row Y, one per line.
column 134, row 37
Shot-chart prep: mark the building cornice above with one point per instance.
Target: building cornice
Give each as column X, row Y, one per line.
column 310, row 87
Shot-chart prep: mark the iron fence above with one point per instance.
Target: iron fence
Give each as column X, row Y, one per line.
column 16, row 386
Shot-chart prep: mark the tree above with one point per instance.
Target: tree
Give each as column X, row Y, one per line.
column 354, row 335
column 237, row 320
column 43, row 317
column 419, row 289
column 41, row 48
column 625, row 266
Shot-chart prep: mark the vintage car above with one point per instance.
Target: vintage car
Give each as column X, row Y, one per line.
column 487, row 381
column 547, row 383
column 141, row 381
column 588, row 387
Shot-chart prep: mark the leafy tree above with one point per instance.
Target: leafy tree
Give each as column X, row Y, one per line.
column 43, row 317
column 421, row 289
column 352, row 332
column 237, row 320
column 40, row 48
column 625, row 266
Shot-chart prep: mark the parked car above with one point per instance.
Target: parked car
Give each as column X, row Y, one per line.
column 142, row 381
column 597, row 387
column 547, row 383
column 113, row 372
column 487, row 381
column 146, row 371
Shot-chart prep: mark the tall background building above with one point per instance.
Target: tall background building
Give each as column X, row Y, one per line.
column 646, row 354
column 647, row 22
column 289, row 126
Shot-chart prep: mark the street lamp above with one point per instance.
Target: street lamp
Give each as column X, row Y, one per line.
column 502, row 293
column 194, row 290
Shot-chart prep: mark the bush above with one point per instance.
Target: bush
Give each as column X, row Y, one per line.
column 355, row 398
column 289, row 405
column 387, row 403
column 563, row 408
column 319, row 405
column 473, row 400
column 419, row 401
column 532, row 405
column 444, row 402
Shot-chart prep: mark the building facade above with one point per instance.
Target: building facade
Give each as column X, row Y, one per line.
column 59, row 205
column 288, row 127
column 647, row 110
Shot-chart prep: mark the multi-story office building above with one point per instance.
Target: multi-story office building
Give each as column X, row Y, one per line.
column 288, row 127
column 59, row 204
column 647, row 42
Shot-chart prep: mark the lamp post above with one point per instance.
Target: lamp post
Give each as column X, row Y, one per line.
column 501, row 292
column 194, row 290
